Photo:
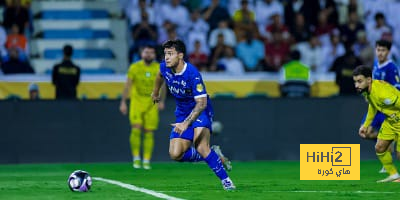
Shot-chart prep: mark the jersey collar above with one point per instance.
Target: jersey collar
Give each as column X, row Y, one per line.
column 383, row 64
column 183, row 70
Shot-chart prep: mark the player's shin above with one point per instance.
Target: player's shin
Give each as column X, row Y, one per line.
column 134, row 140
column 148, row 145
column 387, row 162
column 215, row 163
column 191, row 155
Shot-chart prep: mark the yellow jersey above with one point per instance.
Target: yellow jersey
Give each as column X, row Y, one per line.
column 383, row 97
column 143, row 77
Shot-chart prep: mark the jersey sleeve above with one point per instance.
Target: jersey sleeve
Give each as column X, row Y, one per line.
column 392, row 77
column 198, row 88
column 370, row 116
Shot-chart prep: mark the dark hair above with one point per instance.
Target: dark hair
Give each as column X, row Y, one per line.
column 362, row 70
column 295, row 55
column 379, row 15
column 384, row 43
column 178, row 45
column 146, row 46
column 68, row 50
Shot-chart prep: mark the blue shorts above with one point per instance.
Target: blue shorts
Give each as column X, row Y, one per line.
column 377, row 122
column 202, row 121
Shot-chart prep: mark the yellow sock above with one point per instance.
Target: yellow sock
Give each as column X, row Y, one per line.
column 148, row 145
column 134, row 139
column 387, row 162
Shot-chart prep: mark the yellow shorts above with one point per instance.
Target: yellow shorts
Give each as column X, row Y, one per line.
column 145, row 114
column 390, row 131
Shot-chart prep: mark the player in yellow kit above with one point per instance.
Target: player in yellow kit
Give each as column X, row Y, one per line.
column 143, row 114
column 383, row 97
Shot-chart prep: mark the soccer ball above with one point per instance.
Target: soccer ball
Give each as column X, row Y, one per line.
column 79, row 181
column 217, row 127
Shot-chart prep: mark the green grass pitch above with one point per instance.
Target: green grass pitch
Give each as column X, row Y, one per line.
column 254, row 180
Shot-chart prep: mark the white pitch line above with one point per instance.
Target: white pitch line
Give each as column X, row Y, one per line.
column 138, row 189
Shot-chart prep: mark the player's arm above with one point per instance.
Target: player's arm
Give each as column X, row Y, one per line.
column 163, row 96
column 365, row 129
column 122, row 106
column 155, row 95
column 201, row 104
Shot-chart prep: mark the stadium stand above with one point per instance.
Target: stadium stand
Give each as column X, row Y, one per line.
column 99, row 39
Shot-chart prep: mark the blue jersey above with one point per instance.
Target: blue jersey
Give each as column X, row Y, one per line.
column 186, row 86
column 388, row 72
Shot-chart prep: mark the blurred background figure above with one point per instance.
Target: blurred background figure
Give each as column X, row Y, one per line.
column 66, row 75
column 33, row 91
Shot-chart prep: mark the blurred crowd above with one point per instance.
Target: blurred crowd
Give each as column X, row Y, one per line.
column 237, row 36
column 16, row 27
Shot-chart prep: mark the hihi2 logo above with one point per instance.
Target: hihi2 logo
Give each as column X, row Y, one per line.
column 329, row 161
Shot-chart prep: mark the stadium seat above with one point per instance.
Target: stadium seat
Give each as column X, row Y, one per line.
column 79, row 53
column 74, row 14
column 76, row 34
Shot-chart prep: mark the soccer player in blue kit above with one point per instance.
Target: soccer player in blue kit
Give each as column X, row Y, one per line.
column 193, row 112
column 383, row 69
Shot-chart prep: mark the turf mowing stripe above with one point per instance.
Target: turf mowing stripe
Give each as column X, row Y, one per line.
column 327, row 191
column 138, row 189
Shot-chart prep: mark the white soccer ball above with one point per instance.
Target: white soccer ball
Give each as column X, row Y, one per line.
column 217, row 127
column 79, row 181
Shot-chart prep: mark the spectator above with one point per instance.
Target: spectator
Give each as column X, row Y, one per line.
column 15, row 13
column 300, row 31
column 180, row 16
column 348, row 31
column 375, row 33
column 291, row 10
column 66, row 75
column 143, row 34
column 331, row 51
column 343, row 67
column 17, row 40
column 198, row 31
column 134, row 12
column 3, row 40
column 250, row 52
column 311, row 52
column 215, row 13
column 324, row 28
column 229, row 35
column 264, row 11
column 198, row 58
column 276, row 51
column 244, row 21
column 33, row 91
column 277, row 26
column 363, row 49
column 14, row 65
column 230, row 64
column 217, row 52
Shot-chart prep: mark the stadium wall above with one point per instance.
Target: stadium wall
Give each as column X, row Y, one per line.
column 254, row 129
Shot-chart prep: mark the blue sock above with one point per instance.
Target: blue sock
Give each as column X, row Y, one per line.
column 191, row 155
column 215, row 163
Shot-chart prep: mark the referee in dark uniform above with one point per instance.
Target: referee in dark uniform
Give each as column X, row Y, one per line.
column 66, row 75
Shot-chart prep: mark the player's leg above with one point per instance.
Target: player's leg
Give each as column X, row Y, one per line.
column 150, row 125
column 178, row 147
column 385, row 138
column 202, row 144
column 135, row 117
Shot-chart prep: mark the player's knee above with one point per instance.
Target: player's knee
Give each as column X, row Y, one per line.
column 136, row 126
column 175, row 154
column 379, row 148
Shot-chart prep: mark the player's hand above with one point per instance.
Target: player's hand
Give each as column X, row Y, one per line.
column 363, row 131
column 180, row 127
column 123, row 108
column 161, row 105
column 155, row 97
